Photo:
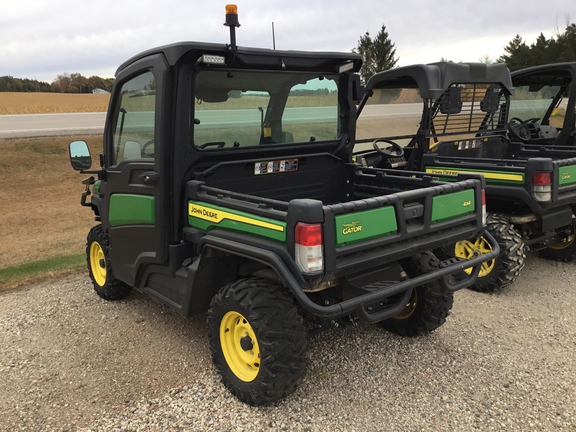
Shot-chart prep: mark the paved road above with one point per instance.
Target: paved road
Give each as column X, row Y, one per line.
column 32, row 125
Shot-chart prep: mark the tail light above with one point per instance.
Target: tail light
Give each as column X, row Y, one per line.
column 308, row 251
column 483, row 207
column 542, row 186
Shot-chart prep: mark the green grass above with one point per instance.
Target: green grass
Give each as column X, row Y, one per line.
column 69, row 262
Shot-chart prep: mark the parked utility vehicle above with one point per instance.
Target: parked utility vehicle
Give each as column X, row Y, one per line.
column 542, row 110
column 448, row 118
column 226, row 184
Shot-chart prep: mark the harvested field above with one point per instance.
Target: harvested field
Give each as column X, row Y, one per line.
column 43, row 103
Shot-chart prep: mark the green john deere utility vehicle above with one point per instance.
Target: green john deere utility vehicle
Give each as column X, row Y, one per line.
column 448, row 118
column 226, row 184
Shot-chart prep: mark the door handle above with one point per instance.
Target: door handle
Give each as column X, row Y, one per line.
column 149, row 177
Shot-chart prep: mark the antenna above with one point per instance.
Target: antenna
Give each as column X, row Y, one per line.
column 273, row 37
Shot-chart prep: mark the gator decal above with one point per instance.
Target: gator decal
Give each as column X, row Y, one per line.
column 502, row 177
column 365, row 225
column 207, row 217
column 567, row 175
column 131, row 209
column 452, row 205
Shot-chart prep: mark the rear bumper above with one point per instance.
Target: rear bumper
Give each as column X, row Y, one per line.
column 359, row 305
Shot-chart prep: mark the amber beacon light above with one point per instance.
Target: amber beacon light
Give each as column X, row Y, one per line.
column 232, row 22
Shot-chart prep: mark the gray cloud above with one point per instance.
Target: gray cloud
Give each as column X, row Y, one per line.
column 41, row 39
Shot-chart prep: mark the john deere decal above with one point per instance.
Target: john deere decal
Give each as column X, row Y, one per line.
column 207, row 217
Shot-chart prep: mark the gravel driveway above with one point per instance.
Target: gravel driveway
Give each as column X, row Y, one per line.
column 71, row 361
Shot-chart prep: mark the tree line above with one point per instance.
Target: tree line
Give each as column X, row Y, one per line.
column 64, row 83
column 379, row 53
column 560, row 47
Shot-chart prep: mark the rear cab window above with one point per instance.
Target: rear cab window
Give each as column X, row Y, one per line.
column 249, row 108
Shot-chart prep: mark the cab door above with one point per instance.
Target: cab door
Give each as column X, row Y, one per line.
column 134, row 186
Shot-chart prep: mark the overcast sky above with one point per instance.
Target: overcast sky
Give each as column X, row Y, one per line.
column 40, row 39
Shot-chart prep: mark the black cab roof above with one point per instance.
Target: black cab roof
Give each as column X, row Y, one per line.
column 433, row 79
column 253, row 57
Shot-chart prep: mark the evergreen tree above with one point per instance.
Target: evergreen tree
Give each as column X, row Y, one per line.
column 568, row 42
column 378, row 54
column 518, row 54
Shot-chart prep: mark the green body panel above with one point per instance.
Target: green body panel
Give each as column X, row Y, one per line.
column 492, row 177
column 96, row 188
column 130, row 209
column 452, row 205
column 359, row 226
column 207, row 216
column 567, row 175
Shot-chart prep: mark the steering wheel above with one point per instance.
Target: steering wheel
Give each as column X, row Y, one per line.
column 519, row 127
column 392, row 151
column 145, row 146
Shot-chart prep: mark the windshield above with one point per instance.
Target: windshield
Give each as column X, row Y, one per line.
column 246, row 108
column 532, row 102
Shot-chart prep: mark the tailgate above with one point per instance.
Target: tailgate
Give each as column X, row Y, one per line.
column 564, row 181
column 421, row 215
column 513, row 178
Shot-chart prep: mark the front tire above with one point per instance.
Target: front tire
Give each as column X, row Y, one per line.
column 503, row 270
column 257, row 340
column 428, row 307
column 105, row 284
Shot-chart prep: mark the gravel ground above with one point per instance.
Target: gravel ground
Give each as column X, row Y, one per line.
column 70, row 361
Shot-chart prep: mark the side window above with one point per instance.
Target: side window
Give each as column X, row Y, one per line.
column 533, row 101
column 133, row 135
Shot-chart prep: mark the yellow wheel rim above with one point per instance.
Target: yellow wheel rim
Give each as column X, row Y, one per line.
column 98, row 263
column 410, row 307
column 567, row 242
column 469, row 249
column 240, row 346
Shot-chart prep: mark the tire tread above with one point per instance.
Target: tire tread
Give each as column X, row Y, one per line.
column 280, row 333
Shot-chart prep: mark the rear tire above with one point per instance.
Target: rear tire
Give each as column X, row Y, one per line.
column 503, row 270
column 428, row 307
column 105, row 284
column 564, row 251
column 257, row 340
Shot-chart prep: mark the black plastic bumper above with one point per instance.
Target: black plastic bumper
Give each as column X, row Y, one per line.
column 359, row 305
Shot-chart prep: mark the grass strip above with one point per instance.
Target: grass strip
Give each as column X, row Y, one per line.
column 29, row 270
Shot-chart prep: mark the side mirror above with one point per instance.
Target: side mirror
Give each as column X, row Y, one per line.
column 452, row 101
column 80, row 157
column 491, row 101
